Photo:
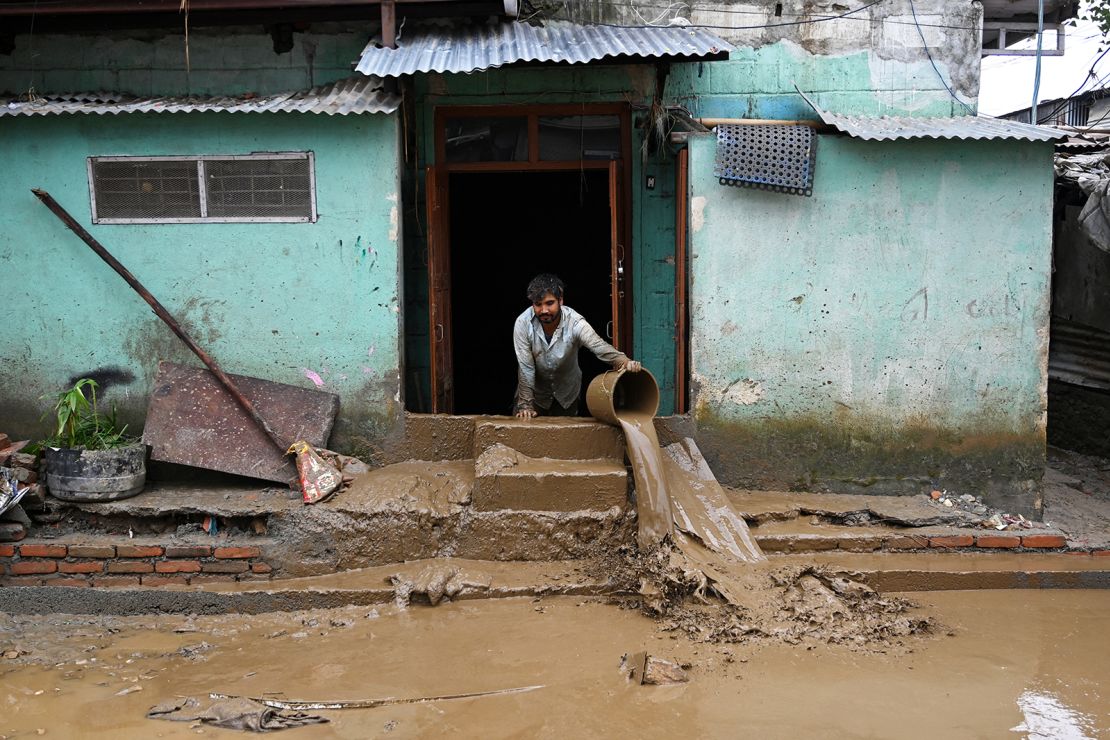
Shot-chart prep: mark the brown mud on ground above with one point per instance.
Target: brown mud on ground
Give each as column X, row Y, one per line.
column 768, row 603
column 1035, row 662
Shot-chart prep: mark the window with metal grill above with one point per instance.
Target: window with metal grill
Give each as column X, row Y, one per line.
column 243, row 188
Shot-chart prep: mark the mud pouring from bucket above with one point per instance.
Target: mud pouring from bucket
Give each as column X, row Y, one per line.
column 676, row 492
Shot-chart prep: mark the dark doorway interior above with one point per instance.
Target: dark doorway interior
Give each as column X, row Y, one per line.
column 505, row 228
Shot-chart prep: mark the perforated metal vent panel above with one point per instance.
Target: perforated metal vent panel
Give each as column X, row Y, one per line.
column 139, row 189
column 259, row 188
column 773, row 157
column 245, row 188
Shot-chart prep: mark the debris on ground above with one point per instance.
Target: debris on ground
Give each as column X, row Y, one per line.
column 984, row 516
column 648, row 669
column 791, row 605
column 434, row 582
column 235, row 713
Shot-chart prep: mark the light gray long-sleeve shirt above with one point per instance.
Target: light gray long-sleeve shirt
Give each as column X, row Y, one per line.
column 547, row 369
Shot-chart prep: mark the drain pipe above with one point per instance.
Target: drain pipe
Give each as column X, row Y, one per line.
column 1033, row 116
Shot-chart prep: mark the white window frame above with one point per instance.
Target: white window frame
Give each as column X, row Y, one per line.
column 202, row 191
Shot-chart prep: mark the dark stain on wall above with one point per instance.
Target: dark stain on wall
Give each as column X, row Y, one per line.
column 865, row 457
column 105, row 377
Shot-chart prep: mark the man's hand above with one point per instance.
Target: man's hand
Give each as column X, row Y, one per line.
column 526, row 413
column 632, row 367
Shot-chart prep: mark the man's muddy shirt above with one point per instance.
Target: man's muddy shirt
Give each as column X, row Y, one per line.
column 547, row 369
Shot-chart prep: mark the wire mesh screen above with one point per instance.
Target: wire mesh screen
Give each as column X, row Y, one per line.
column 774, row 157
column 258, row 188
column 146, row 189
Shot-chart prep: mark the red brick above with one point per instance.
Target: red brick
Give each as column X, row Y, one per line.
column 232, row 567
column 116, row 581
column 165, row 581
column 189, row 551
column 1101, row 553
column 88, row 566
column 29, row 567
column 7, row 551
column 906, row 543
column 138, row 551
column 997, row 540
column 228, row 553
column 69, row 582
column 102, row 552
column 25, row 581
column 42, row 551
column 1043, row 540
column 116, row 567
column 952, row 540
column 260, row 568
column 5, row 440
column 177, row 566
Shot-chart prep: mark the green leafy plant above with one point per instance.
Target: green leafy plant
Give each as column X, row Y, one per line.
column 80, row 424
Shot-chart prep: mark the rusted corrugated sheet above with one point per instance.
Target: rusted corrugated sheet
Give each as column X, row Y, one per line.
column 473, row 47
column 346, row 97
column 891, row 128
column 1079, row 354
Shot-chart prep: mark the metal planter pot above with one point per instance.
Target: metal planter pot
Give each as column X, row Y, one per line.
column 96, row 475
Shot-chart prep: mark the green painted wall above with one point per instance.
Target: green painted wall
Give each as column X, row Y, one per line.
column 759, row 83
column 891, row 331
column 269, row 300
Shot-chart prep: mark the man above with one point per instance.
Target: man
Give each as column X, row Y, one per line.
column 546, row 338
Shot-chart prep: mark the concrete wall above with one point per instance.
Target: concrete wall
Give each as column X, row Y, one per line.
column 889, row 332
column 226, row 61
column 270, row 300
column 883, row 60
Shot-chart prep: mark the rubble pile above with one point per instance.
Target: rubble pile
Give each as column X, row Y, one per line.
column 792, row 605
column 983, row 515
column 20, row 489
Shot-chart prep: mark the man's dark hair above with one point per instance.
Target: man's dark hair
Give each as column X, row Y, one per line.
column 543, row 284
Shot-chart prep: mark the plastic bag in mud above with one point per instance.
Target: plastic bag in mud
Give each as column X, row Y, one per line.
column 318, row 479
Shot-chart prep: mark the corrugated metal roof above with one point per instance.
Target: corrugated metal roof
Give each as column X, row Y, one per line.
column 351, row 96
column 470, row 48
column 891, row 128
column 1079, row 354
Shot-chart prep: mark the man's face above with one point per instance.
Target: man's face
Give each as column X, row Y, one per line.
column 547, row 308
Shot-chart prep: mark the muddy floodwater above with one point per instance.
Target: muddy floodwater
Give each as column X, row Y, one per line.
column 1017, row 664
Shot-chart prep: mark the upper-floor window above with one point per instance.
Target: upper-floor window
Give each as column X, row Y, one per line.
column 196, row 189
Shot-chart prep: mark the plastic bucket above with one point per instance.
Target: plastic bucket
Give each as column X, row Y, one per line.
column 617, row 390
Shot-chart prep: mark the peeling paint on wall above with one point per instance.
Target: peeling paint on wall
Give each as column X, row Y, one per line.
column 697, row 213
column 744, row 392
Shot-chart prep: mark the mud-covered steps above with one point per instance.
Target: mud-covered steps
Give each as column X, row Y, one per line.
column 506, row 479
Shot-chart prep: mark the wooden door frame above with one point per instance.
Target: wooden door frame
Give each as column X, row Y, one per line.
column 624, row 332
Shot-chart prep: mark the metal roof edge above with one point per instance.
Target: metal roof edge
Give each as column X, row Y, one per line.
column 351, row 96
column 893, row 128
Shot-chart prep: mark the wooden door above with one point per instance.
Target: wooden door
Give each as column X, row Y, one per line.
column 616, row 259
column 681, row 187
column 439, row 293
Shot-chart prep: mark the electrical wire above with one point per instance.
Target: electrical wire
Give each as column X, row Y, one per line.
column 929, row 54
column 753, row 27
column 725, row 11
column 1087, row 78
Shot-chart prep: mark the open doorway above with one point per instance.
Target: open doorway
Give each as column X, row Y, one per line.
column 506, row 227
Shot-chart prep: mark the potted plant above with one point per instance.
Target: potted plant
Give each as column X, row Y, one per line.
column 90, row 457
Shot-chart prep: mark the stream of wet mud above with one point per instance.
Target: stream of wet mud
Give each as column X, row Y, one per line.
column 1018, row 664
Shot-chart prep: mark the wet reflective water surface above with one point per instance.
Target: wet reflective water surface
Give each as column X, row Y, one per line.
column 1017, row 664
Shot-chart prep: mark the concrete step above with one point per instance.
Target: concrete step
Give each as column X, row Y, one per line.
column 507, row 479
column 553, row 437
column 958, row 571
column 420, row 581
column 459, row 579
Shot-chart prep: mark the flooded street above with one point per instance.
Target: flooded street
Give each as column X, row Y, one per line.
column 1018, row 664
